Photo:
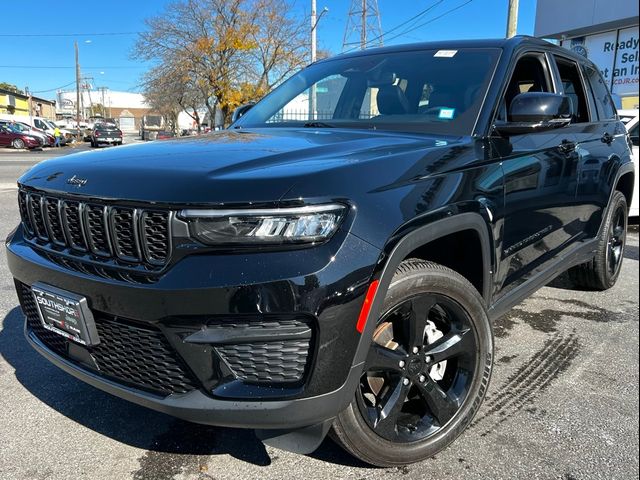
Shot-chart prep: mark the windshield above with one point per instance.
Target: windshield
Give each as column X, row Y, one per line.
column 153, row 120
column 434, row 91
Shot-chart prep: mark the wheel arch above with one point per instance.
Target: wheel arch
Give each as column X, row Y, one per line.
column 401, row 248
column 624, row 184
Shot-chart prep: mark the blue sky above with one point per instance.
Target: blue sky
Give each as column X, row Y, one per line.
column 45, row 63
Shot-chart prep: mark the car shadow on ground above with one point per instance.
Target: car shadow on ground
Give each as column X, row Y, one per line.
column 171, row 444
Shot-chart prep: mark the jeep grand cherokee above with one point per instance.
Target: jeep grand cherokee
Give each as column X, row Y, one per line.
column 335, row 259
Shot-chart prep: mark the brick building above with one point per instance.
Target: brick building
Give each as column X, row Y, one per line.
column 126, row 107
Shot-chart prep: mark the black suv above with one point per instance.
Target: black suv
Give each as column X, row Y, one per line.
column 334, row 260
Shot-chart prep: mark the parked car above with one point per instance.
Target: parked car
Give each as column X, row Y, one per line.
column 339, row 269
column 47, row 140
column 10, row 137
column 165, row 135
column 631, row 119
column 106, row 133
column 49, row 127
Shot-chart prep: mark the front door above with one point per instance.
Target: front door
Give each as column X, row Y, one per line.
column 541, row 175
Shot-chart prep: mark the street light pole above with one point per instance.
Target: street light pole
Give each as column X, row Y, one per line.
column 313, row 31
column 314, row 24
column 512, row 18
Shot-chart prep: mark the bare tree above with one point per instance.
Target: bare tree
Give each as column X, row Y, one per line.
column 232, row 51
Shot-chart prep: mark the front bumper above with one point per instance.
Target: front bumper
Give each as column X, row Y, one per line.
column 324, row 285
column 198, row 407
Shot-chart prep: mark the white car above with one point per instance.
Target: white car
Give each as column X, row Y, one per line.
column 631, row 119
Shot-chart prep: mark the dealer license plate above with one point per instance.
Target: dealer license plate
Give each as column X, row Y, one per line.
column 65, row 313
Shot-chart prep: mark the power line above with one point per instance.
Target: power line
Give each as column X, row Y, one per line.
column 94, row 34
column 57, row 88
column 106, row 67
column 430, row 21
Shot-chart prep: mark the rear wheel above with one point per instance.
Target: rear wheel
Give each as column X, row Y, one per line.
column 427, row 370
column 601, row 273
column 18, row 143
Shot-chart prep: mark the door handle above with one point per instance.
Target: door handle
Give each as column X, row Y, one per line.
column 567, row 146
column 607, row 138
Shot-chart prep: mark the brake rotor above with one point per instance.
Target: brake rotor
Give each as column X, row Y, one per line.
column 383, row 336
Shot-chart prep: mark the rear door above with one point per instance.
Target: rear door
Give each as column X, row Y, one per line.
column 541, row 175
column 600, row 140
column 5, row 137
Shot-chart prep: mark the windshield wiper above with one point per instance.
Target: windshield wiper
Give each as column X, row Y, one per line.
column 317, row 125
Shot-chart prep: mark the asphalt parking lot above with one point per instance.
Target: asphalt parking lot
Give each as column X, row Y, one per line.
column 563, row 402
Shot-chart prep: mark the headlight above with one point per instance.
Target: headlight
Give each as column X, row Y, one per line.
column 314, row 223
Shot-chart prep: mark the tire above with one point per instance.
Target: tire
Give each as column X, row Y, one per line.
column 93, row 144
column 18, row 144
column 361, row 428
column 601, row 273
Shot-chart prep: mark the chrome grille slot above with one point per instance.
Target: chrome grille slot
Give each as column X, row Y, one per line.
column 52, row 215
column 72, row 222
column 131, row 243
column 24, row 212
column 95, row 218
column 34, row 203
column 124, row 229
column 155, row 236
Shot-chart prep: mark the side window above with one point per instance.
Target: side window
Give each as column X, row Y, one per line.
column 573, row 88
column 327, row 95
column 529, row 75
column 604, row 105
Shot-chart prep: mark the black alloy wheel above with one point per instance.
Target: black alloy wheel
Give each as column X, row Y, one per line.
column 427, row 369
column 419, row 368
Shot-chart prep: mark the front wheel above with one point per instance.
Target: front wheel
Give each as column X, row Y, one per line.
column 427, row 370
column 18, row 144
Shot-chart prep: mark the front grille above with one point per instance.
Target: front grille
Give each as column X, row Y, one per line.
column 273, row 362
column 129, row 236
column 278, row 361
column 129, row 353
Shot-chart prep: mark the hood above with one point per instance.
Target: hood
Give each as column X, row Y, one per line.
column 242, row 166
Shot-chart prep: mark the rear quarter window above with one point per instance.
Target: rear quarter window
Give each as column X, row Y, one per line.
column 604, row 105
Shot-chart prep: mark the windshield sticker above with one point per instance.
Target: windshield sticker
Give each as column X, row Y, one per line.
column 445, row 53
column 447, row 113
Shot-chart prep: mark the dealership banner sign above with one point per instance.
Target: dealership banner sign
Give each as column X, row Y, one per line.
column 616, row 54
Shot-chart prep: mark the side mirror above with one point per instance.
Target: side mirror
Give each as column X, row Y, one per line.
column 537, row 111
column 240, row 111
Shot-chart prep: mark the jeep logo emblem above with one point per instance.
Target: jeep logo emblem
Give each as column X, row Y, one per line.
column 414, row 366
column 77, row 181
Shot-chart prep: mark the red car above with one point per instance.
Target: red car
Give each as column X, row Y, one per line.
column 10, row 138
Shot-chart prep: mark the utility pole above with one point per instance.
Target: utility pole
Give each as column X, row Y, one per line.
column 363, row 21
column 512, row 18
column 79, row 135
column 28, row 92
column 363, row 31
